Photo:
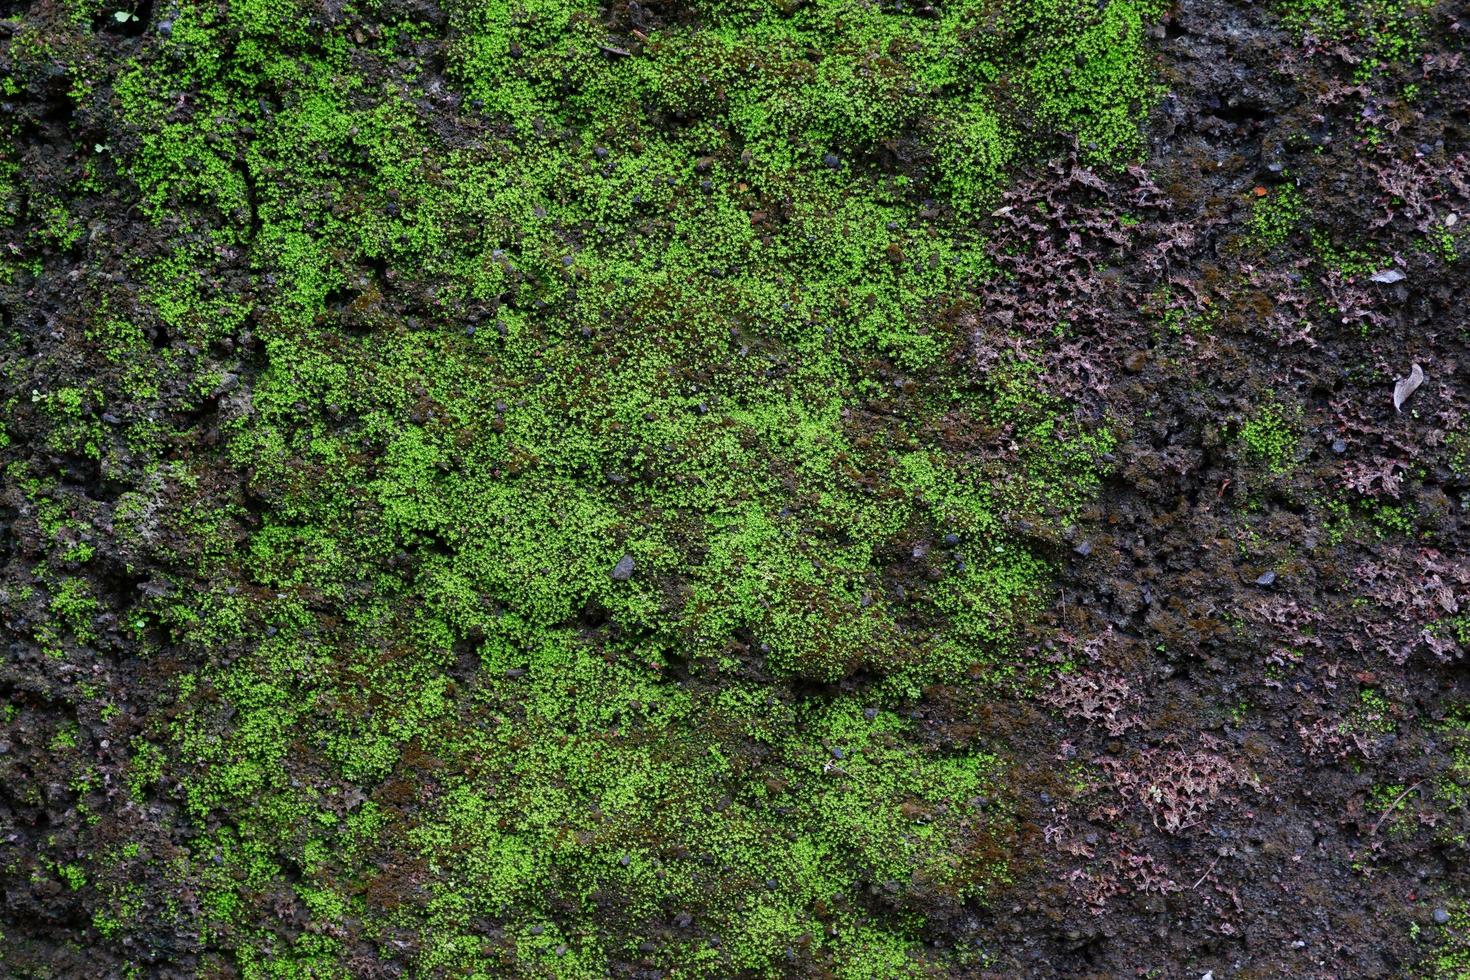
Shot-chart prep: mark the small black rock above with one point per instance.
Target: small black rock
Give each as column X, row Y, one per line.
column 1084, row 549
column 1266, row 578
column 1441, row 917
column 623, row 570
column 831, row 161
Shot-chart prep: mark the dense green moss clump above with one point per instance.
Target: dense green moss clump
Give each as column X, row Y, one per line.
column 614, row 476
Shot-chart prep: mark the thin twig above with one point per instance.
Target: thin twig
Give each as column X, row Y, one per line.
column 1393, row 806
column 1206, row 874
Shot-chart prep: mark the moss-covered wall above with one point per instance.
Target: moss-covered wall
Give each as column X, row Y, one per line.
column 591, row 477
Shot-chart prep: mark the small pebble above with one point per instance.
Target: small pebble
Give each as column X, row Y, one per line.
column 623, row 570
column 1339, row 447
column 1084, row 549
column 1266, row 578
column 831, row 161
column 1441, row 917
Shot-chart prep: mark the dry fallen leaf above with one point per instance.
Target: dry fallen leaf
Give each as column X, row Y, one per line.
column 1404, row 387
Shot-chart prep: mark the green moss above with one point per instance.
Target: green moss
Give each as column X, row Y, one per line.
column 678, row 306
column 1388, row 30
column 1269, row 439
column 1343, row 259
column 74, row 606
column 1372, row 716
column 1095, row 83
column 1451, row 958
column 1275, row 215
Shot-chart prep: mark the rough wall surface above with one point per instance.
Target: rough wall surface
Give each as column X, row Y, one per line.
column 706, row 489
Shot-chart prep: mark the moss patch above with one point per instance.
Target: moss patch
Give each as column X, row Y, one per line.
column 609, row 479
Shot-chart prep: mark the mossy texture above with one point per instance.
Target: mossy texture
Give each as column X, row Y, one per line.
column 610, row 480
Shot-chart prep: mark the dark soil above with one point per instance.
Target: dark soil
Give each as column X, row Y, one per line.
column 1209, row 584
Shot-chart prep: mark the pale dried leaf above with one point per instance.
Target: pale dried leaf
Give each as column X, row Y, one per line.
column 1405, row 387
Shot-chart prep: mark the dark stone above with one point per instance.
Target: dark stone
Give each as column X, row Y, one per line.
column 623, row 570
